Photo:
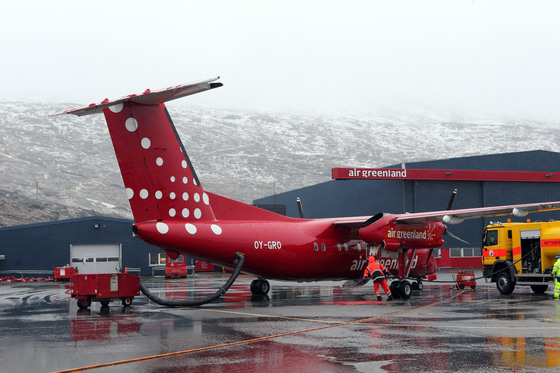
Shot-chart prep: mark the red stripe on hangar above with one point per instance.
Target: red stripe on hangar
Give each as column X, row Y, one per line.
column 425, row 174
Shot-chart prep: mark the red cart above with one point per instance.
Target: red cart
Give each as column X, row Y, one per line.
column 64, row 273
column 104, row 288
column 465, row 278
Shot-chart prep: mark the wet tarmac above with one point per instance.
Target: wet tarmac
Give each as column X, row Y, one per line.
column 309, row 327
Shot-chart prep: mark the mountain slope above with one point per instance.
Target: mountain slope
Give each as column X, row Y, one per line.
column 64, row 166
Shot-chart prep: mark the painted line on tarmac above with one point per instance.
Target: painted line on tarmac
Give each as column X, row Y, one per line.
column 269, row 316
column 390, row 324
column 467, row 326
column 254, row 340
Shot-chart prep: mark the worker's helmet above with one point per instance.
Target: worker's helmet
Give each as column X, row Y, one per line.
column 558, row 256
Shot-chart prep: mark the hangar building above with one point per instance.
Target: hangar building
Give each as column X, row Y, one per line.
column 102, row 244
column 488, row 180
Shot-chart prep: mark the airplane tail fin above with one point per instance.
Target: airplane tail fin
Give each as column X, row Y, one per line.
column 160, row 181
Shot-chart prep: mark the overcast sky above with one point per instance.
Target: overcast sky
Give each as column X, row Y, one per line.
column 483, row 57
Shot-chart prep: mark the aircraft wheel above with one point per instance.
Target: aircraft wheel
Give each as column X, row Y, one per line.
column 104, row 303
column 417, row 285
column 260, row 287
column 394, row 287
column 405, row 289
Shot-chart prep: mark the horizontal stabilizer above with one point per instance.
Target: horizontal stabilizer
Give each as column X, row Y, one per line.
column 148, row 97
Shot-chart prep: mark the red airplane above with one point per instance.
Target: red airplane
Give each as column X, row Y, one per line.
column 172, row 211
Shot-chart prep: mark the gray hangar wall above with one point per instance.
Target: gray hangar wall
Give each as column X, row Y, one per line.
column 368, row 197
column 44, row 245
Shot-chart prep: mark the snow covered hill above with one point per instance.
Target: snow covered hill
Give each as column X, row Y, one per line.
column 64, row 166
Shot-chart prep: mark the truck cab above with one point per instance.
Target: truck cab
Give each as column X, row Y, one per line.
column 520, row 254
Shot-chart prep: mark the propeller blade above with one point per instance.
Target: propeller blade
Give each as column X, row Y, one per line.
column 299, row 207
column 456, row 237
column 429, row 256
column 452, row 199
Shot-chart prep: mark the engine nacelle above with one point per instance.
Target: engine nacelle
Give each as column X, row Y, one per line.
column 373, row 230
column 382, row 230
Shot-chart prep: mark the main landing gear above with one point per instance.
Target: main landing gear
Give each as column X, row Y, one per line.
column 403, row 288
column 260, row 286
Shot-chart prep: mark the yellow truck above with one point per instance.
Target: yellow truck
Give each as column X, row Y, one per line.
column 520, row 254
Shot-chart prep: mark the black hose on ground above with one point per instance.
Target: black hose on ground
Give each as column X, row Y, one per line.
column 239, row 261
column 491, row 274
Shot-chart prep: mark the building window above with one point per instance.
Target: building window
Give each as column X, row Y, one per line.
column 157, row 259
column 456, row 252
column 465, row 252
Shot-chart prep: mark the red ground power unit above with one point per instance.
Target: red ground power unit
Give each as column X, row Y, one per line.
column 104, row 288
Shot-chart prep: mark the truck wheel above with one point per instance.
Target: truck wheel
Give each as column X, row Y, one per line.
column 127, row 301
column 405, row 289
column 504, row 284
column 539, row 289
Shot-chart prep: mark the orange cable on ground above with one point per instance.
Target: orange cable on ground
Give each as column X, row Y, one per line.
column 247, row 341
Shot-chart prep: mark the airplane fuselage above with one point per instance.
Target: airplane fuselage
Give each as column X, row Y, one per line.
column 296, row 249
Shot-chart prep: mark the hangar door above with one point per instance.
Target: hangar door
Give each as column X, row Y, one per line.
column 96, row 258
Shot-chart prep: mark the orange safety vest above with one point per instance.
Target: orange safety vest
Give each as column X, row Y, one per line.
column 375, row 270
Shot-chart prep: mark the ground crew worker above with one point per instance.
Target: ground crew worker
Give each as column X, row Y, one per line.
column 377, row 272
column 556, row 274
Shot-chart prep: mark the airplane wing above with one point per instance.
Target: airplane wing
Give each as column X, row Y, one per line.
column 148, row 97
column 457, row 216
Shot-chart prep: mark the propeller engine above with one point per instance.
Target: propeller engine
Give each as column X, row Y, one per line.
column 382, row 230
